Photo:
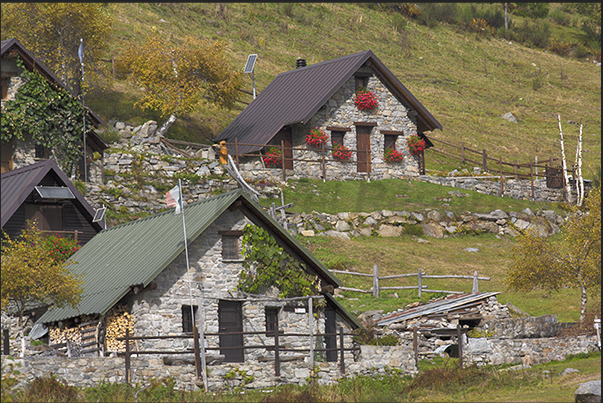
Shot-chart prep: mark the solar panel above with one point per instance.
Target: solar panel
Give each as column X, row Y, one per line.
column 250, row 63
column 99, row 214
column 54, row 192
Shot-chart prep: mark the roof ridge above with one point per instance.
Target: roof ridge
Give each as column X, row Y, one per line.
column 337, row 59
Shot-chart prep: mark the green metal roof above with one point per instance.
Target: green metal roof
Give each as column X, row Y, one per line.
column 136, row 252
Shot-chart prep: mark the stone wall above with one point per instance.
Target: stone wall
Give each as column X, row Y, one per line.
column 494, row 351
column 371, row 361
column 514, row 188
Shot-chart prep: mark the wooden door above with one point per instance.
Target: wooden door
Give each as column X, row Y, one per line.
column 230, row 319
column 330, row 327
column 286, row 136
column 363, row 144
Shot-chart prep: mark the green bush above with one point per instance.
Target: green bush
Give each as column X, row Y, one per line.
column 413, row 229
column 110, row 135
column 398, row 22
column 80, row 186
column 559, row 17
column 60, row 249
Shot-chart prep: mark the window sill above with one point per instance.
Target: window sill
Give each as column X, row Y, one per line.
column 233, row 260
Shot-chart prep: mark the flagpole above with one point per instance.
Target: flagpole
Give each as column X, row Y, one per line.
column 190, row 287
column 81, row 56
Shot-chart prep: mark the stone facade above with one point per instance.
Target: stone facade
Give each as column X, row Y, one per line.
column 340, row 111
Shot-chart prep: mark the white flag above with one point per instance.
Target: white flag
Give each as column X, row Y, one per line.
column 173, row 198
column 80, row 51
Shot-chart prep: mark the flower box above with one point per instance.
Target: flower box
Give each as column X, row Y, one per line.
column 341, row 153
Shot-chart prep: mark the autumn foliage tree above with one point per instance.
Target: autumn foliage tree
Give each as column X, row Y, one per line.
column 176, row 78
column 52, row 32
column 34, row 275
column 573, row 262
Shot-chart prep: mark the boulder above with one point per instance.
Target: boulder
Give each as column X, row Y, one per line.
column 433, row 230
column 588, row 392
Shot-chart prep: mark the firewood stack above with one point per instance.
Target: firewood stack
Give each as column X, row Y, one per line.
column 118, row 320
column 59, row 336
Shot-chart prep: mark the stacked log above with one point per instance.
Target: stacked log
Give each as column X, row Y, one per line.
column 61, row 335
column 118, row 320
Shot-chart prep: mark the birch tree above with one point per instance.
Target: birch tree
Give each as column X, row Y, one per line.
column 176, row 78
column 568, row 189
column 572, row 262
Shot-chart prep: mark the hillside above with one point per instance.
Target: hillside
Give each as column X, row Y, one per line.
column 467, row 80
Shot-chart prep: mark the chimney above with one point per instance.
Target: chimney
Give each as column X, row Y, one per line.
column 300, row 63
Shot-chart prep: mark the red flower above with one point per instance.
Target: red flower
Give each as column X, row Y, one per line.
column 365, row 100
column 272, row 157
column 392, row 155
column 317, row 137
column 341, row 153
column 416, row 144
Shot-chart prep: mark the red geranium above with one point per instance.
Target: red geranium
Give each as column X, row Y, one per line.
column 272, row 157
column 317, row 137
column 392, row 155
column 365, row 100
column 416, row 144
column 341, row 153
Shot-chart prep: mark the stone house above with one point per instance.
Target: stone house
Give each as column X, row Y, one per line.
column 322, row 96
column 42, row 192
column 136, row 274
column 17, row 153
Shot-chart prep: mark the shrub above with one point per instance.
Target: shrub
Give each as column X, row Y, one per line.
column 431, row 13
column 560, row 17
column 110, row 135
column 398, row 22
column 80, row 186
column 60, row 249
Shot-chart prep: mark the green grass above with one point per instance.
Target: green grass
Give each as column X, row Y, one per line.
column 333, row 197
column 466, row 80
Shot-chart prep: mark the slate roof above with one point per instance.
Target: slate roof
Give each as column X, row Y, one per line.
column 31, row 62
column 17, row 185
column 135, row 253
column 295, row 96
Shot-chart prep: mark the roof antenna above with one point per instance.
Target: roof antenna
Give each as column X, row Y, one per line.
column 249, row 68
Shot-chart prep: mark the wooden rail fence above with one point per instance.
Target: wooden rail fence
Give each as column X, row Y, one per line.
column 420, row 276
column 322, row 160
column 554, row 175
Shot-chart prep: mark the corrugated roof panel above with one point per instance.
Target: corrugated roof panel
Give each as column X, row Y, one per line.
column 443, row 305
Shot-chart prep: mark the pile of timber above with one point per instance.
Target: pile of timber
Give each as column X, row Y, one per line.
column 118, row 320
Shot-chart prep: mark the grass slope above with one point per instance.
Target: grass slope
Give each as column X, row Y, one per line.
column 466, row 80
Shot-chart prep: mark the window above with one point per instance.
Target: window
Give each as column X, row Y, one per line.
column 5, row 82
column 230, row 244
column 271, row 320
column 49, row 217
column 360, row 82
column 187, row 318
column 390, row 138
column 337, row 135
column 41, row 152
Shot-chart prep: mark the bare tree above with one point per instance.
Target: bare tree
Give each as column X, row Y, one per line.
column 568, row 189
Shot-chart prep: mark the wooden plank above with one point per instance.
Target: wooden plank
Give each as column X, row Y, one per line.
column 355, row 289
column 454, row 276
column 352, row 273
column 399, row 276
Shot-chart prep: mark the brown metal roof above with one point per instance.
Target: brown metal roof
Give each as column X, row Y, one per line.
column 10, row 46
column 17, row 185
column 295, row 96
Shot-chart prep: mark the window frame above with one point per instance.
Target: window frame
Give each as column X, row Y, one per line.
column 230, row 245
column 187, row 321
column 271, row 317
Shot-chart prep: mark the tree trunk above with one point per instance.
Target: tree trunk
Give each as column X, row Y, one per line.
column 506, row 16
column 583, row 303
column 568, row 188
column 579, row 179
column 168, row 123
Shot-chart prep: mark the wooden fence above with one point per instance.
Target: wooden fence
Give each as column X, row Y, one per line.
column 554, row 175
column 420, row 276
column 323, row 151
column 276, row 347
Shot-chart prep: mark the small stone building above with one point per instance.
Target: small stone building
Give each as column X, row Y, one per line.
column 135, row 276
column 17, row 153
column 322, row 96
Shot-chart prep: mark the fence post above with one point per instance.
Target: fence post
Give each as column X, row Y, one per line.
column 310, row 314
column 515, row 169
column 532, row 179
column 376, row 281
column 484, row 160
column 5, row 342
column 283, row 159
column 76, row 232
column 502, row 185
column 277, row 362
column 324, row 168
column 196, row 345
column 536, row 166
column 463, row 153
column 475, row 288
column 341, row 359
column 459, row 336
column 420, row 282
column 415, row 345
column 127, row 374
